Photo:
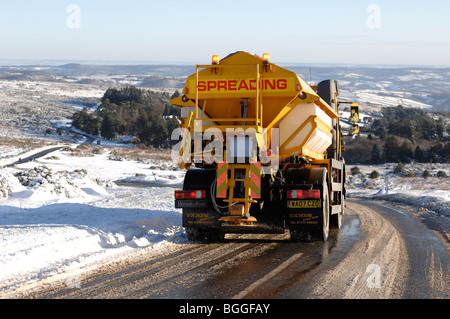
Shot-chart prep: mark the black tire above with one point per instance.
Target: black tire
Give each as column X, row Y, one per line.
column 321, row 176
column 195, row 234
column 214, row 235
column 201, row 179
column 209, row 235
column 301, row 236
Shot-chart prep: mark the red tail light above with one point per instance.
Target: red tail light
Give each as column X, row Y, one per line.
column 190, row 194
column 303, row 194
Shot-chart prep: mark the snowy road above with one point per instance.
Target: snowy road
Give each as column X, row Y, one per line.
column 380, row 252
column 35, row 156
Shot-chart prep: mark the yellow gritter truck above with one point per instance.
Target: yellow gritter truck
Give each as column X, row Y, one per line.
column 262, row 149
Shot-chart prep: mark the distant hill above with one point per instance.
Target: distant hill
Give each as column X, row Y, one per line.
column 421, row 87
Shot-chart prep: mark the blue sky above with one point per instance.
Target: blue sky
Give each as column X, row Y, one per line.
column 174, row 31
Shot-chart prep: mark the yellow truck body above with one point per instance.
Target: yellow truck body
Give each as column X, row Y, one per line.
column 247, row 95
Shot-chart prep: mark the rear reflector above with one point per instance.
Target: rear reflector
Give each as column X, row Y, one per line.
column 303, row 194
column 190, row 194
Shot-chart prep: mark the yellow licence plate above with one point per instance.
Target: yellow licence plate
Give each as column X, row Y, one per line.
column 304, row 203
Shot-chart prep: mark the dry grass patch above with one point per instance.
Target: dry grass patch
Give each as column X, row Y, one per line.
column 140, row 154
column 123, row 153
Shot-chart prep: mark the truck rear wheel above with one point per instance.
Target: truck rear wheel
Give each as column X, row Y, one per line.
column 210, row 235
column 214, row 235
column 196, row 228
column 194, row 233
column 320, row 229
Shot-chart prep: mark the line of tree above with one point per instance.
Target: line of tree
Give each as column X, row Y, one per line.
column 401, row 134
column 368, row 150
column 131, row 111
column 411, row 123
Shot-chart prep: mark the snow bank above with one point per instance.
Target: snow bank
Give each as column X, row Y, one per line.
column 154, row 179
column 429, row 197
column 53, row 222
column 415, row 191
column 43, row 180
column 57, row 238
column 431, row 203
column 8, row 184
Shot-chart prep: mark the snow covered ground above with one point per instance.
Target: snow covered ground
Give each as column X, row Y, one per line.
column 382, row 98
column 63, row 213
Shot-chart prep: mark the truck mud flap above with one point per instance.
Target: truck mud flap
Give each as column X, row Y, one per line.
column 200, row 218
column 304, row 218
column 305, row 225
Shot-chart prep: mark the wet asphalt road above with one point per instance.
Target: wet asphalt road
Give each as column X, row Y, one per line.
column 379, row 252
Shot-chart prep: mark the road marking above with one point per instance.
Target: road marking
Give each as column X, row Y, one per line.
column 267, row 277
